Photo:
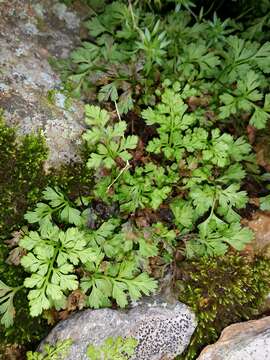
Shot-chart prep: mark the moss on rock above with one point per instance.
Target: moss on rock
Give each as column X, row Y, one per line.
column 221, row 291
column 21, row 176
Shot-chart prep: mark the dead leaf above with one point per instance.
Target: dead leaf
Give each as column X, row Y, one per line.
column 141, row 222
column 14, row 352
column 255, row 201
column 148, row 214
column 138, row 152
column 204, row 302
column 262, row 148
column 76, row 300
column 196, row 101
column 63, row 315
column 15, row 256
column 16, row 237
column 251, row 133
column 210, row 115
column 52, row 316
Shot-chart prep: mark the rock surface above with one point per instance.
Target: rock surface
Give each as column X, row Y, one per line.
column 243, row 341
column 163, row 330
column 260, row 225
column 32, row 31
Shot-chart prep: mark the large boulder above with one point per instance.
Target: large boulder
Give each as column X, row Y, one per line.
column 243, row 341
column 31, row 32
column 163, row 330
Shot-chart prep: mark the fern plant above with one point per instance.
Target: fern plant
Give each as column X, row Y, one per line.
column 168, row 152
column 51, row 259
column 50, row 352
column 245, row 98
column 198, row 178
column 265, row 203
column 117, row 281
column 113, row 348
column 118, row 348
column 211, row 55
column 148, row 186
column 57, row 249
column 171, row 117
column 7, row 309
column 110, row 142
column 202, row 167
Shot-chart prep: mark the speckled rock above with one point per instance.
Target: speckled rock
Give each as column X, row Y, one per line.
column 243, row 341
column 31, row 32
column 163, row 329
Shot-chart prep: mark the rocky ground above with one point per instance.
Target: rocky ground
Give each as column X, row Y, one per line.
column 31, row 32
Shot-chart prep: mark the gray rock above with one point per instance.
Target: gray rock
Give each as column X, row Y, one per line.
column 243, row 341
column 32, row 31
column 163, row 330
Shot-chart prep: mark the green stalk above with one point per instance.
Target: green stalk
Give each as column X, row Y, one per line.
column 50, row 270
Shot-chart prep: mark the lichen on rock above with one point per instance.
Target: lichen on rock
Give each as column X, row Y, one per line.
column 30, row 34
column 163, row 330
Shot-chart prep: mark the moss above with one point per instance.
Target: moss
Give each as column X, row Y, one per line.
column 21, row 176
column 51, row 96
column 221, row 292
column 42, row 25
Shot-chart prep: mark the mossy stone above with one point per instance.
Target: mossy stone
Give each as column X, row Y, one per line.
column 21, row 176
column 221, row 291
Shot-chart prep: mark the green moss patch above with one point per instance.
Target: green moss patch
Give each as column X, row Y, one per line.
column 21, row 176
column 221, row 291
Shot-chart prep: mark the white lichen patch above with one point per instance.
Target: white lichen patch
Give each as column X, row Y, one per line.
column 72, row 21
column 30, row 29
column 39, row 10
column 60, row 100
column 4, row 87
